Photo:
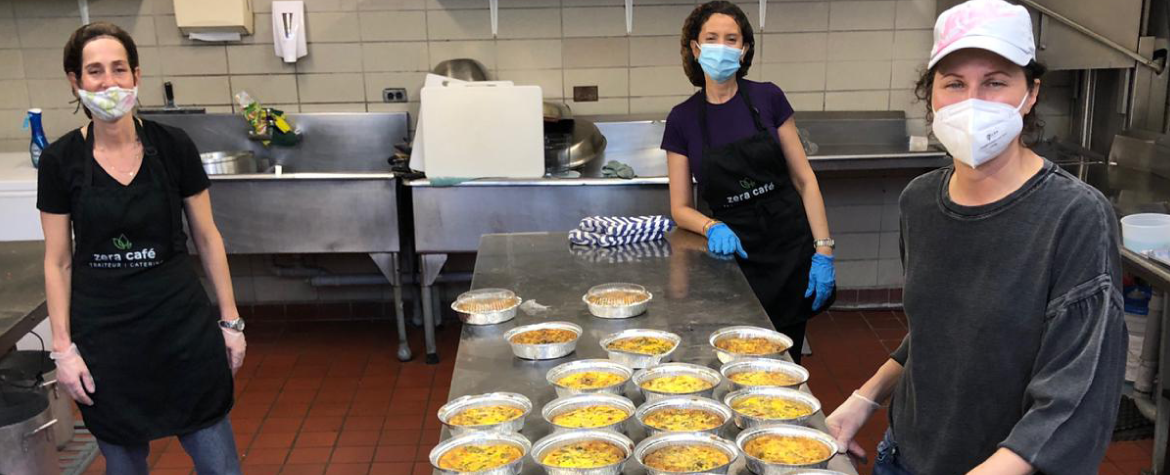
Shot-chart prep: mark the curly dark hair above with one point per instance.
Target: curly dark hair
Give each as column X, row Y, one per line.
column 82, row 36
column 1033, row 125
column 694, row 24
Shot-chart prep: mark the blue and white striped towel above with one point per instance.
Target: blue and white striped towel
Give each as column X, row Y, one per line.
column 635, row 252
column 583, row 238
column 625, row 226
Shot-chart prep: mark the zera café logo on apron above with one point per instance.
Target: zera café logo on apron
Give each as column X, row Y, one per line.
column 127, row 257
column 753, row 190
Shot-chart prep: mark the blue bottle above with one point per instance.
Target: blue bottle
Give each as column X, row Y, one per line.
column 39, row 141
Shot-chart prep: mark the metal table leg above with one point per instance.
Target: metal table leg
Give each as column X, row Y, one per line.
column 432, row 264
column 390, row 267
column 1162, row 394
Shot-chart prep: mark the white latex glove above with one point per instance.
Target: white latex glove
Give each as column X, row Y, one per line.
column 73, row 374
column 236, row 347
column 844, row 422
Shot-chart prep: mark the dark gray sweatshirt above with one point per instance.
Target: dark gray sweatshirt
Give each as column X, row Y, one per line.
column 1017, row 338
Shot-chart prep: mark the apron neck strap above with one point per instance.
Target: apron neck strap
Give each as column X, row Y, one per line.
column 747, row 99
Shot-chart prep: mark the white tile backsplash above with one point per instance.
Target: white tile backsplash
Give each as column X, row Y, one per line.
column 656, row 51
column 482, row 51
column 530, row 23
column 913, row 44
column 857, row 75
column 529, row 54
column 791, row 17
column 659, row 81
column 458, row 25
column 861, row 15
column 610, row 82
column 796, row 77
column 806, row 101
column 795, row 47
column 596, row 52
column 332, row 27
column 550, row 80
column 861, row 45
column 915, row 14
column 594, row 22
column 857, row 101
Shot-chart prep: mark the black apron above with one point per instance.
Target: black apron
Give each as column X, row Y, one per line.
column 747, row 186
column 139, row 315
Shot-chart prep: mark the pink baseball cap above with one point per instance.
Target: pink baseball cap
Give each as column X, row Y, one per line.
column 992, row 25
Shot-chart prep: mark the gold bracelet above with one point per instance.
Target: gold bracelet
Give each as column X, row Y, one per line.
column 707, row 227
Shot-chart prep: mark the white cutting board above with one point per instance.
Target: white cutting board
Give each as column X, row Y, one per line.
column 483, row 129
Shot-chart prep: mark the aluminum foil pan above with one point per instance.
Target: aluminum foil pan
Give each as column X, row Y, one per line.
column 639, row 360
column 547, row 351
column 671, row 369
column 459, row 404
column 543, row 446
column 686, row 402
column 764, row 364
column 561, row 405
column 486, row 306
column 603, row 307
column 747, row 422
column 579, row 366
column 656, row 442
column 748, row 331
column 478, row 438
column 761, row 467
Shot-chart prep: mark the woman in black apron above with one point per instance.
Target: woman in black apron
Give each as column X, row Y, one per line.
column 135, row 338
column 738, row 140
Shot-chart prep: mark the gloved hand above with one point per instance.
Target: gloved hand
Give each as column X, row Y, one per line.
column 722, row 240
column 844, row 422
column 236, row 347
column 73, row 374
column 821, row 279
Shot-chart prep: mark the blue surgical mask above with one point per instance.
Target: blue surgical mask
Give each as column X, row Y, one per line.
column 720, row 62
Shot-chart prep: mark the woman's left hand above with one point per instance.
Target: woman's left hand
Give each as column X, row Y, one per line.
column 821, row 280
column 236, row 347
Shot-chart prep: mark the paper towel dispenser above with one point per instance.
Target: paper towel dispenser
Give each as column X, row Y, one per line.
column 214, row 16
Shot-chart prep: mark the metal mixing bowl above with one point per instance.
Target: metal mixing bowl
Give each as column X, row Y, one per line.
column 763, row 364
column 547, row 351
column 639, row 360
column 562, row 405
column 746, row 421
column 480, row 438
column 748, row 331
column 686, row 402
column 672, row 369
column 761, row 467
column 656, row 442
column 502, row 305
column 617, row 310
column 543, row 446
column 580, row 366
column 459, row 404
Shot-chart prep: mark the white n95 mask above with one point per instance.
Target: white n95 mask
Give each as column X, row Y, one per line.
column 975, row 131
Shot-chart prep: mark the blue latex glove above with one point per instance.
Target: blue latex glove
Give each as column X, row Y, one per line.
column 821, row 279
column 722, row 240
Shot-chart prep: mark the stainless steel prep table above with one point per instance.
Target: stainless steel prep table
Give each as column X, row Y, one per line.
column 451, row 219
column 1157, row 276
column 694, row 295
column 22, row 290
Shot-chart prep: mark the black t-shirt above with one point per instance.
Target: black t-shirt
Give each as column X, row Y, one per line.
column 62, row 167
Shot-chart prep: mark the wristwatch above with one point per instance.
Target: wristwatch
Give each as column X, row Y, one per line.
column 237, row 324
column 825, row 242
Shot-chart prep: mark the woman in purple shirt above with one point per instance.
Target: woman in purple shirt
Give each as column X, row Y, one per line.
column 737, row 138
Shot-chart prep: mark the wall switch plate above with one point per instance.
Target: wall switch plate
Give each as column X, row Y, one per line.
column 585, row 93
column 394, row 94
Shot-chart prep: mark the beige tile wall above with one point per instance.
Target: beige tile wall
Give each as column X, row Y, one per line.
column 828, row 55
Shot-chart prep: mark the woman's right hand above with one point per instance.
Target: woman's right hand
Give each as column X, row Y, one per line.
column 722, row 240
column 849, row 417
column 73, row 374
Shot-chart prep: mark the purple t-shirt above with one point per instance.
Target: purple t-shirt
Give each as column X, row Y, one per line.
column 727, row 122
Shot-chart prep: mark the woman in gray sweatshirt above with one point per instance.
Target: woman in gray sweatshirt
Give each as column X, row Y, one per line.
column 1016, row 352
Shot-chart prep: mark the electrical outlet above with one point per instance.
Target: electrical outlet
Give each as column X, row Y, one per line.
column 585, row 93
column 394, row 94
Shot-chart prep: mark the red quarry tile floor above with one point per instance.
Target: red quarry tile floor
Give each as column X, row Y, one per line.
column 330, row 398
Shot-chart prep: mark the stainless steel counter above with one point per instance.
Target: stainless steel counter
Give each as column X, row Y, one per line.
column 1157, row 276
column 22, row 290
column 694, row 295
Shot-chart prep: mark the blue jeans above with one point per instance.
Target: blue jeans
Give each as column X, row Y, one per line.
column 886, row 461
column 213, row 450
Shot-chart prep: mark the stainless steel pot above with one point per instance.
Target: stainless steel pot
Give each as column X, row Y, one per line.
column 464, row 69
column 228, row 163
column 26, row 438
column 21, row 368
